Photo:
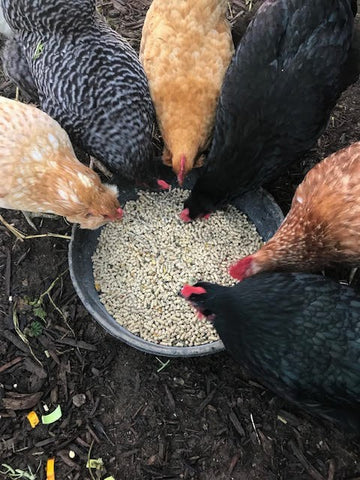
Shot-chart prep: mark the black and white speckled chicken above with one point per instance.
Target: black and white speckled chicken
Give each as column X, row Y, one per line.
column 85, row 76
column 285, row 78
column 298, row 334
column 4, row 27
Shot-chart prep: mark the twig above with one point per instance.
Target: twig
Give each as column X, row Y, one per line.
column 10, row 364
column 236, row 423
column 331, row 471
column 205, row 402
column 47, row 293
column 305, row 463
column 52, row 285
column 352, row 274
column 254, row 427
column 53, row 235
column 8, row 275
column 12, row 229
column 61, row 313
column 163, row 364
column 29, row 221
column 231, row 14
column 88, row 458
column 22, row 336
column 20, row 236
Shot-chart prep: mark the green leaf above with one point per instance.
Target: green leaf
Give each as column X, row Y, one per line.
column 40, row 312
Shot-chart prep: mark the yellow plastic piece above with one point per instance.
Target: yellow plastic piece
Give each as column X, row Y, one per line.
column 33, row 419
column 50, row 469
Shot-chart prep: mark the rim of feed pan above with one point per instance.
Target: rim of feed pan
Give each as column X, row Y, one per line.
column 259, row 206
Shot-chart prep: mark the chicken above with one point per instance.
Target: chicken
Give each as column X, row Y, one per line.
column 186, row 48
column 323, row 225
column 277, row 96
column 296, row 333
column 4, row 27
column 40, row 173
column 87, row 77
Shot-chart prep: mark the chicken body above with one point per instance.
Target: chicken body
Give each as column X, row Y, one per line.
column 298, row 334
column 186, row 48
column 85, row 76
column 40, row 173
column 278, row 93
column 4, row 27
column 323, row 224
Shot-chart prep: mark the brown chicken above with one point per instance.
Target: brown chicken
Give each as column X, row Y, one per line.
column 40, row 173
column 323, row 225
column 186, row 48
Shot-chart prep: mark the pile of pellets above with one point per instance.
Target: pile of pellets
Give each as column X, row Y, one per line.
column 142, row 262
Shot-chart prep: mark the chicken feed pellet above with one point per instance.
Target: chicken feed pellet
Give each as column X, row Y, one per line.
column 141, row 263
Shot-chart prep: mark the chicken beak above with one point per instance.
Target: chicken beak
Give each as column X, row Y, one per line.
column 119, row 214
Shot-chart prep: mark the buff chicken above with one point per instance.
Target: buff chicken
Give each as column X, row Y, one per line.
column 323, row 225
column 285, row 78
column 186, row 48
column 40, row 173
column 296, row 333
column 87, row 77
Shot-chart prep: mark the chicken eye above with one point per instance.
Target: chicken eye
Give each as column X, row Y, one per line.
column 89, row 215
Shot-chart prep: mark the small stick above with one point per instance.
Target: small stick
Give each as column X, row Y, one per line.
column 88, row 458
column 10, row 364
column 305, row 463
column 352, row 274
column 53, row 235
column 12, row 229
column 254, row 427
column 20, row 236
column 331, row 471
column 8, row 275
column 22, row 336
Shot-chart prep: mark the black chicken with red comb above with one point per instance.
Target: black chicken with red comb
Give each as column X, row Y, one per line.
column 298, row 334
column 286, row 76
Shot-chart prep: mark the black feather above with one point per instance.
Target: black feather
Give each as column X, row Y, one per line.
column 298, row 334
column 87, row 77
column 277, row 96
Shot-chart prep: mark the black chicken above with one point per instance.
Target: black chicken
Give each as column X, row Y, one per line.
column 85, row 76
column 298, row 334
column 287, row 74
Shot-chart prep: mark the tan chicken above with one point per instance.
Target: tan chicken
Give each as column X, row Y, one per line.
column 323, row 225
column 186, row 48
column 40, row 173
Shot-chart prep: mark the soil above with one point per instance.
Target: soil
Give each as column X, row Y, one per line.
column 147, row 418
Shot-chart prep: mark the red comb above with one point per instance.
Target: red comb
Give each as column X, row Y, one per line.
column 239, row 269
column 207, row 216
column 184, row 215
column 163, row 185
column 181, row 175
column 189, row 290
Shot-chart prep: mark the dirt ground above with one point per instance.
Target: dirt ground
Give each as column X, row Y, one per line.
column 146, row 418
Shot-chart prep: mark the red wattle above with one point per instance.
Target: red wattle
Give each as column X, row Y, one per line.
column 239, row 269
